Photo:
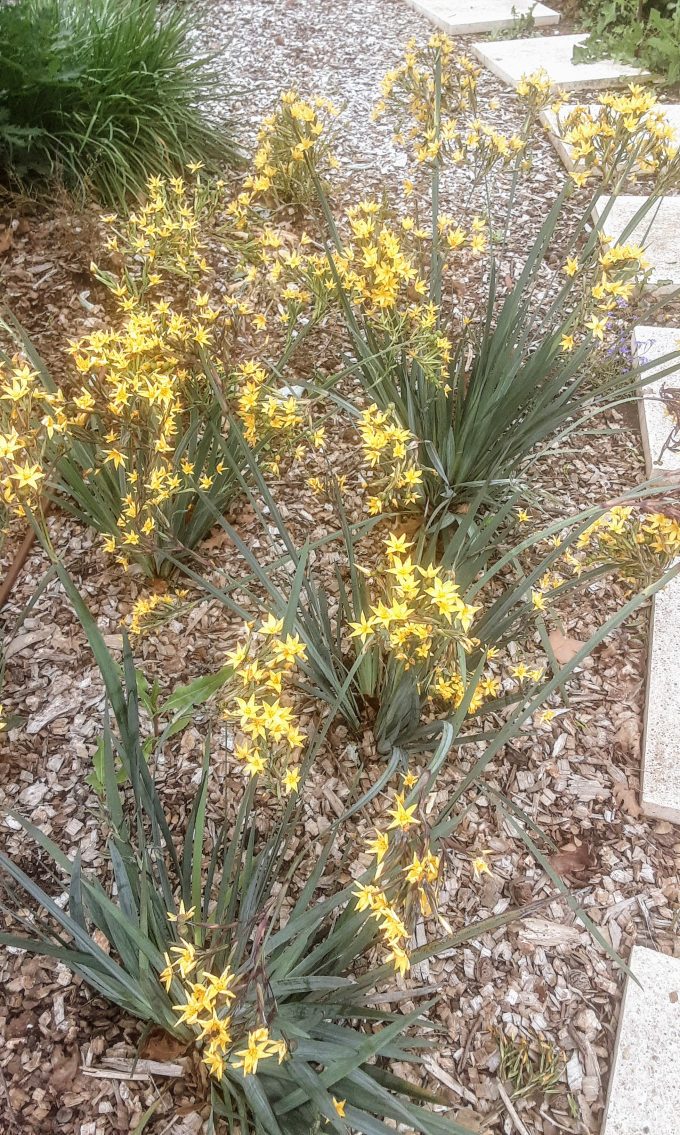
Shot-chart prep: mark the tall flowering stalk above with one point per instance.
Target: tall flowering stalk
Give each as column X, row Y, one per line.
column 482, row 388
column 219, row 935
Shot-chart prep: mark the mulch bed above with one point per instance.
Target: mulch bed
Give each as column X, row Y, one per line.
column 577, row 777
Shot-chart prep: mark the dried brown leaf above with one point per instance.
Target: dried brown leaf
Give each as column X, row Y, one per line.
column 627, row 799
column 64, row 1068
column 564, row 648
column 573, row 860
column 161, row 1046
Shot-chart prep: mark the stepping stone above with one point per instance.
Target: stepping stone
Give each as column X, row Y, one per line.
column 651, row 343
column 549, row 119
column 660, row 764
column 510, row 59
column 657, row 232
column 644, row 1088
column 466, row 17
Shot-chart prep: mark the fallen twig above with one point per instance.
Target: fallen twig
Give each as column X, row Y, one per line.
column 509, row 1107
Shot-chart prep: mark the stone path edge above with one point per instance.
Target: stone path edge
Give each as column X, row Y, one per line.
column 466, row 17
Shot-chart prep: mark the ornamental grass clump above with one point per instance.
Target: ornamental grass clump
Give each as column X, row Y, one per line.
column 131, row 449
column 451, row 625
column 102, row 93
column 218, row 936
column 485, row 387
column 140, row 445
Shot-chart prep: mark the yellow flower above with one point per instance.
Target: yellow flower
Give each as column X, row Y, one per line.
column 27, row 476
column 445, row 597
column 222, row 983
column 214, row 1062
column 116, row 457
column 339, row 1106
column 379, row 845
column 216, row 1030
column 399, row 958
column 185, row 961
column 402, row 817
column 271, row 626
column 258, row 1049
column 289, row 649
column 183, row 915
column 397, row 545
column 597, row 327
column 166, row 975
column 364, row 628
column 291, row 780
column 200, row 1001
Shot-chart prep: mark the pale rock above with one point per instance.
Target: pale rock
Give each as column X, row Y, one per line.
column 644, row 1088
column 650, row 344
column 466, row 17
column 34, row 794
column 511, row 59
column 661, row 767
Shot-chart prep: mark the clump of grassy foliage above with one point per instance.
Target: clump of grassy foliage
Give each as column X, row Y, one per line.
column 101, row 93
column 638, row 32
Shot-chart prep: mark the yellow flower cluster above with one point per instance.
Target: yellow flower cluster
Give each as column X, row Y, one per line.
column 210, row 1008
column 163, row 237
column 391, row 454
column 417, row 612
column 268, row 737
column 416, row 618
column 535, row 89
column 476, row 239
column 32, row 422
column 621, row 133
column 408, row 93
column 611, row 279
column 261, row 407
column 133, row 406
column 152, row 610
column 450, row 129
column 292, row 142
column 410, row 870
column 374, row 269
column 640, row 545
column 377, row 272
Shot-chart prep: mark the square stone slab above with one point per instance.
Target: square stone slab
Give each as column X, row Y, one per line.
column 549, row 119
column 657, row 232
column 644, row 1089
column 650, row 343
column 467, row 17
column 661, row 740
column 510, row 59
